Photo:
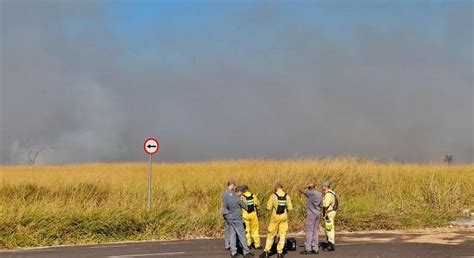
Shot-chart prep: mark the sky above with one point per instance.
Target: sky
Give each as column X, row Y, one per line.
column 88, row 81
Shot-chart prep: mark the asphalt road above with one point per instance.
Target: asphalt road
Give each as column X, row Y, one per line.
column 350, row 245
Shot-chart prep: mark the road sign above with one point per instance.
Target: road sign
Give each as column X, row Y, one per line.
column 151, row 146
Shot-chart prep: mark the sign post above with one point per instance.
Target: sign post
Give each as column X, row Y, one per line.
column 151, row 146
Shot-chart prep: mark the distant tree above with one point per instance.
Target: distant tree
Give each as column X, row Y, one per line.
column 448, row 159
column 32, row 153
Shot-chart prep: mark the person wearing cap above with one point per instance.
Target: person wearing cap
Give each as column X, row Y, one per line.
column 228, row 192
column 313, row 215
column 234, row 205
column 251, row 218
column 329, row 213
column 279, row 203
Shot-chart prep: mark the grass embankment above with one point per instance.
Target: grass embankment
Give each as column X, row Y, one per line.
column 49, row 205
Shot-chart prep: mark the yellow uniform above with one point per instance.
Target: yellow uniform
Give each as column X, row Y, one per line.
column 328, row 203
column 279, row 219
column 250, row 217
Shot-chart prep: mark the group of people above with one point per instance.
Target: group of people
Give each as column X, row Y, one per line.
column 240, row 207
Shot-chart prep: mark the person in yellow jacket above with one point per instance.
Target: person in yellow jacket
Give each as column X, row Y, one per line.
column 330, row 203
column 251, row 218
column 279, row 203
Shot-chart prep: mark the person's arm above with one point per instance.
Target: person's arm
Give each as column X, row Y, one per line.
column 224, row 204
column 289, row 205
column 304, row 190
column 242, row 203
column 270, row 203
column 256, row 200
column 225, row 208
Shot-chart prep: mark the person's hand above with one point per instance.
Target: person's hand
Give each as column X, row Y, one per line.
column 243, row 198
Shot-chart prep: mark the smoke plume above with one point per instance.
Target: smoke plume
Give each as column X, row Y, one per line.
column 389, row 81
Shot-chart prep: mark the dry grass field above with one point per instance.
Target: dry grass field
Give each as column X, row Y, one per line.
column 49, row 205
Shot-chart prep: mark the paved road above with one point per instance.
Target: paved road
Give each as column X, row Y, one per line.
column 350, row 245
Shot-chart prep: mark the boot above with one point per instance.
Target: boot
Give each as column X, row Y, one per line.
column 280, row 255
column 315, row 252
column 264, row 255
column 306, row 252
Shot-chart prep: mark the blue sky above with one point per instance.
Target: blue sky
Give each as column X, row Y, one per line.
column 338, row 19
column 140, row 26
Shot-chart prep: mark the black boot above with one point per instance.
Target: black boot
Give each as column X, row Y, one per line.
column 280, row 255
column 264, row 255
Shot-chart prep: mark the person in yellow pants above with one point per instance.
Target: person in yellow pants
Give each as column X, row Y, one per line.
column 279, row 203
column 251, row 218
column 330, row 205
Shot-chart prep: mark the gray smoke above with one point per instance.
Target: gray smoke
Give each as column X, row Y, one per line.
column 255, row 82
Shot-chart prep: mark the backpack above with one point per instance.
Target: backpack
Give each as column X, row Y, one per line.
column 336, row 200
column 281, row 204
column 250, row 203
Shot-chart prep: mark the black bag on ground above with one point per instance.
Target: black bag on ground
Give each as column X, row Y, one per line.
column 290, row 244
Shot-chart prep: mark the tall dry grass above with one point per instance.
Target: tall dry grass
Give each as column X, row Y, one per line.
column 49, row 205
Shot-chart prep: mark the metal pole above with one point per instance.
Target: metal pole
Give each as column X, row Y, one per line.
column 149, row 184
